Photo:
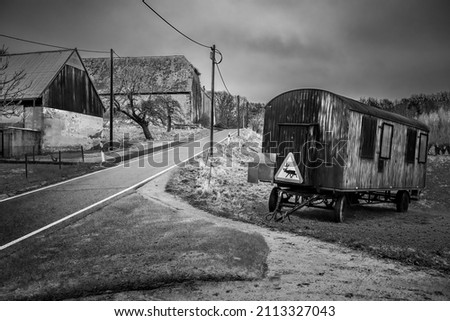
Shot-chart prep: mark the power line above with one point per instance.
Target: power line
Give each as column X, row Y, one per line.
column 50, row 45
column 95, row 51
column 177, row 30
column 223, row 82
column 116, row 54
column 35, row 42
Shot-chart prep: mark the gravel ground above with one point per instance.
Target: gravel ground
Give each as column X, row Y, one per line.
column 418, row 237
column 151, row 245
column 298, row 268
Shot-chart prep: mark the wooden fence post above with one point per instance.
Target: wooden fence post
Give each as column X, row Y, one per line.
column 26, row 166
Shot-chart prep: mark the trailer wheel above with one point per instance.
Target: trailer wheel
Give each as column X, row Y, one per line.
column 273, row 198
column 329, row 203
column 339, row 208
column 402, row 201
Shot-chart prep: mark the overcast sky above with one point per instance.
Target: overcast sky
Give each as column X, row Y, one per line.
column 357, row 48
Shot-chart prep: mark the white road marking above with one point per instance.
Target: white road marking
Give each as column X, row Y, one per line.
column 86, row 175
column 135, row 186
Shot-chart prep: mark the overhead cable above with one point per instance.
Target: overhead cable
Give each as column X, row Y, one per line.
column 176, row 29
column 50, row 45
column 223, row 82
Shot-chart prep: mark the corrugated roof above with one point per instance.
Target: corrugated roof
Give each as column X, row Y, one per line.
column 40, row 68
column 155, row 74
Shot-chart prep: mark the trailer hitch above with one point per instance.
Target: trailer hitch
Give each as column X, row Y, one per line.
column 278, row 215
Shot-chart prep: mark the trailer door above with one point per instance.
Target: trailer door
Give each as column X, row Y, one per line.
column 299, row 139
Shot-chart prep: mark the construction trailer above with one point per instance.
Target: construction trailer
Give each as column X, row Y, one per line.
column 332, row 151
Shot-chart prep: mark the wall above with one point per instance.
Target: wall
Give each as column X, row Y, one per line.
column 64, row 130
column 323, row 117
column 184, row 99
column 206, row 106
column 196, row 97
column 19, row 141
column 186, row 105
column 72, row 90
column 363, row 173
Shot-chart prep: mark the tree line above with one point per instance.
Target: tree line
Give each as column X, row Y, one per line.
column 431, row 109
column 251, row 115
column 413, row 106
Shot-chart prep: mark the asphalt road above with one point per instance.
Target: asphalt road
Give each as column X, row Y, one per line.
column 23, row 215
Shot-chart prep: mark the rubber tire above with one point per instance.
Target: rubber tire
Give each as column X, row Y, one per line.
column 402, row 200
column 339, row 208
column 273, row 198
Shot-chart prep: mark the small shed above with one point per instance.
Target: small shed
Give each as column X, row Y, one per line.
column 16, row 142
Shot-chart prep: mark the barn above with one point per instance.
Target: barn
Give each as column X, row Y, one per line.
column 172, row 76
column 335, row 146
column 57, row 100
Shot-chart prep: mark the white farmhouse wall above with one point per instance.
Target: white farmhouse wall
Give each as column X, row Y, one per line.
column 64, row 130
column 186, row 106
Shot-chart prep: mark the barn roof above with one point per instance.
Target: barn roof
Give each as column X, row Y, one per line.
column 157, row 74
column 359, row 107
column 40, row 68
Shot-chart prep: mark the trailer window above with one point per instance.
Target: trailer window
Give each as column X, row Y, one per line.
column 368, row 134
column 423, row 143
column 386, row 141
column 411, row 140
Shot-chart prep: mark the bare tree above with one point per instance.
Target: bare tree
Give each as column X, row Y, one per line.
column 226, row 109
column 12, row 87
column 129, row 100
column 256, row 117
column 172, row 108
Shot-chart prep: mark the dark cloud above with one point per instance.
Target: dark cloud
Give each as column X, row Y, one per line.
column 381, row 48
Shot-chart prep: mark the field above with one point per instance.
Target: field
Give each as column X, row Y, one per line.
column 14, row 181
column 418, row 237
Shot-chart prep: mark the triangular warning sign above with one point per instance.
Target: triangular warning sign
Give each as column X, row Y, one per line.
column 289, row 171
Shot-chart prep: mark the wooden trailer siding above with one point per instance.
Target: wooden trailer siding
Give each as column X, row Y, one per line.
column 334, row 122
column 364, row 173
column 320, row 109
column 333, row 128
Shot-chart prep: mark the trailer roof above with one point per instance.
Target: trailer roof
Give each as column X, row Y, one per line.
column 359, row 107
column 380, row 113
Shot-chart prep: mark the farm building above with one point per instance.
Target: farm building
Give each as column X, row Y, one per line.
column 337, row 147
column 151, row 76
column 205, row 110
column 59, row 107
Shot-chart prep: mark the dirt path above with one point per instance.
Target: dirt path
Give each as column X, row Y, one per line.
column 298, row 268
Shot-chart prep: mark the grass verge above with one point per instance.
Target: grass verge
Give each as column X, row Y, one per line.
column 419, row 237
column 13, row 179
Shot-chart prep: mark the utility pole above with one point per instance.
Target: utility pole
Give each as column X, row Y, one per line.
column 246, row 118
column 238, row 114
column 111, row 104
column 211, row 134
